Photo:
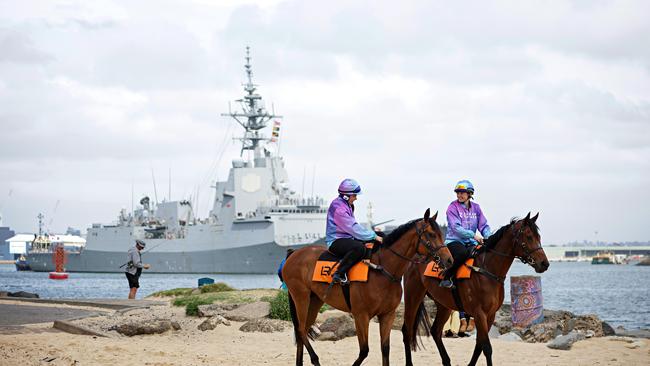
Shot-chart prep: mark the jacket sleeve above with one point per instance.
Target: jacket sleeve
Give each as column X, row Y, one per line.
column 346, row 222
column 136, row 259
column 454, row 224
column 483, row 226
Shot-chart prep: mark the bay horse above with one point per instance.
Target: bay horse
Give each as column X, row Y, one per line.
column 379, row 296
column 481, row 295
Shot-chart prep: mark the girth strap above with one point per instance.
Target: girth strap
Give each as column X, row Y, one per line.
column 346, row 294
column 457, row 300
column 488, row 274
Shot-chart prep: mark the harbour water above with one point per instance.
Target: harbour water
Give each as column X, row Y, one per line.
column 618, row 294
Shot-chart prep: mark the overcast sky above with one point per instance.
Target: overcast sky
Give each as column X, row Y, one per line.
column 544, row 106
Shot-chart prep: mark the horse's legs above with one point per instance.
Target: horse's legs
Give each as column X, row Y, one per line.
column 385, row 326
column 442, row 315
column 482, row 328
column 302, row 305
column 414, row 293
column 482, row 340
column 361, row 322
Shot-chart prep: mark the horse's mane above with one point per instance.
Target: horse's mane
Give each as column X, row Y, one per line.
column 492, row 241
column 394, row 235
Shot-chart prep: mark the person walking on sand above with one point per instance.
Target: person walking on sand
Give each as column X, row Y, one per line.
column 134, row 267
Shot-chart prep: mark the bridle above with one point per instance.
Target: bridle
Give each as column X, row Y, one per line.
column 527, row 258
column 432, row 252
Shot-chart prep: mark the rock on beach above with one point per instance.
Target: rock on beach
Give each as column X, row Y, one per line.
column 156, row 326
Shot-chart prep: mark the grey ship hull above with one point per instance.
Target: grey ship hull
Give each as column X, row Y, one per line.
column 255, row 259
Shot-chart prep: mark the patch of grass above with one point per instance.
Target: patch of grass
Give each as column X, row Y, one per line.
column 216, row 287
column 192, row 306
column 280, row 306
column 324, row 308
column 192, row 302
column 183, row 291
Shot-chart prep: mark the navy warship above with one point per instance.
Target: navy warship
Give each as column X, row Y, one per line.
column 255, row 215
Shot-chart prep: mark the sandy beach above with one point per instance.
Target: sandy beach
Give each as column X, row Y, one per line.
column 227, row 345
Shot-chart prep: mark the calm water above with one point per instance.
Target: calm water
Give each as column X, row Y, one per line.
column 618, row 294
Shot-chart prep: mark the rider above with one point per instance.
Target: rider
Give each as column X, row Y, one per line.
column 463, row 220
column 344, row 236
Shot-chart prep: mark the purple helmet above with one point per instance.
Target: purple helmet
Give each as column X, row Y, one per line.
column 349, row 187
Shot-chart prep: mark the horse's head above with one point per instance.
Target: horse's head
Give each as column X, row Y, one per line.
column 528, row 243
column 430, row 241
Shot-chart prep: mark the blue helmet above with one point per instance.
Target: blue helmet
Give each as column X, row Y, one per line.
column 464, row 186
column 349, row 187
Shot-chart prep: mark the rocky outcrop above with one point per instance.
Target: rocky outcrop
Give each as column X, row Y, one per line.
column 510, row 337
column 589, row 322
column 23, row 294
column 556, row 323
column 215, row 309
column 337, row 327
column 212, row 323
column 565, row 342
column 149, row 327
column 264, row 325
column 260, row 309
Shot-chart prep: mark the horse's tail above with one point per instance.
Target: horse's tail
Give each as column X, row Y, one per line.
column 422, row 321
column 294, row 319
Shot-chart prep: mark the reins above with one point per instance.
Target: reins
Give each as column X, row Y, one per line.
column 527, row 258
column 432, row 253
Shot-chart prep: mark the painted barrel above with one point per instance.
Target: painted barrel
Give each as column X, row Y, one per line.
column 526, row 300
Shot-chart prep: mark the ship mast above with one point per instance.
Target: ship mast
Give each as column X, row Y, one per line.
column 252, row 116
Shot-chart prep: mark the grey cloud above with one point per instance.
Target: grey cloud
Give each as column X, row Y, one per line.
column 18, row 47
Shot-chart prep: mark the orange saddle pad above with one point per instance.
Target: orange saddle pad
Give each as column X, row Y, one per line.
column 433, row 270
column 325, row 269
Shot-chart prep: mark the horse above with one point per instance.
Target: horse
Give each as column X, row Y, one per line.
column 379, row 296
column 481, row 295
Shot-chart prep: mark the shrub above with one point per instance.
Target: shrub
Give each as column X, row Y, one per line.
column 173, row 292
column 192, row 305
column 216, row 287
column 280, row 306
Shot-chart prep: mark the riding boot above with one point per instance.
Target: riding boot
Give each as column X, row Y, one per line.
column 449, row 273
column 459, row 253
column 340, row 276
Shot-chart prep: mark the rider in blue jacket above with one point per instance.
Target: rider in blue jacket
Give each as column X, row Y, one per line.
column 464, row 219
column 345, row 237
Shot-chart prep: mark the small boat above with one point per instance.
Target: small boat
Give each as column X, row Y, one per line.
column 604, row 258
column 22, row 265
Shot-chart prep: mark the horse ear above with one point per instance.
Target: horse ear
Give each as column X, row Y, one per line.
column 435, row 216
column 534, row 218
column 527, row 218
column 427, row 213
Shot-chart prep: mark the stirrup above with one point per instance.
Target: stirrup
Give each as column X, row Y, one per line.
column 447, row 283
column 340, row 278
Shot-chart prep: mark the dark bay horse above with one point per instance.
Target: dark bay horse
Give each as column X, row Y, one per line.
column 481, row 295
column 379, row 296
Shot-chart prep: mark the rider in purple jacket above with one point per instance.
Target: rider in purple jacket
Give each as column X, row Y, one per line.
column 464, row 219
column 344, row 236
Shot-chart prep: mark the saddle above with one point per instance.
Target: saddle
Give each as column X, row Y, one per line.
column 328, row 262
column 463, row 272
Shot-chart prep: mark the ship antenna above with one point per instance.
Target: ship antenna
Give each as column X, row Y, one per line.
column 155, row 192
column 40, row 223
column 253, row 117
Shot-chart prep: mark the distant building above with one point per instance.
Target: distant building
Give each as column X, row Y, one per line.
column 5, row 233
